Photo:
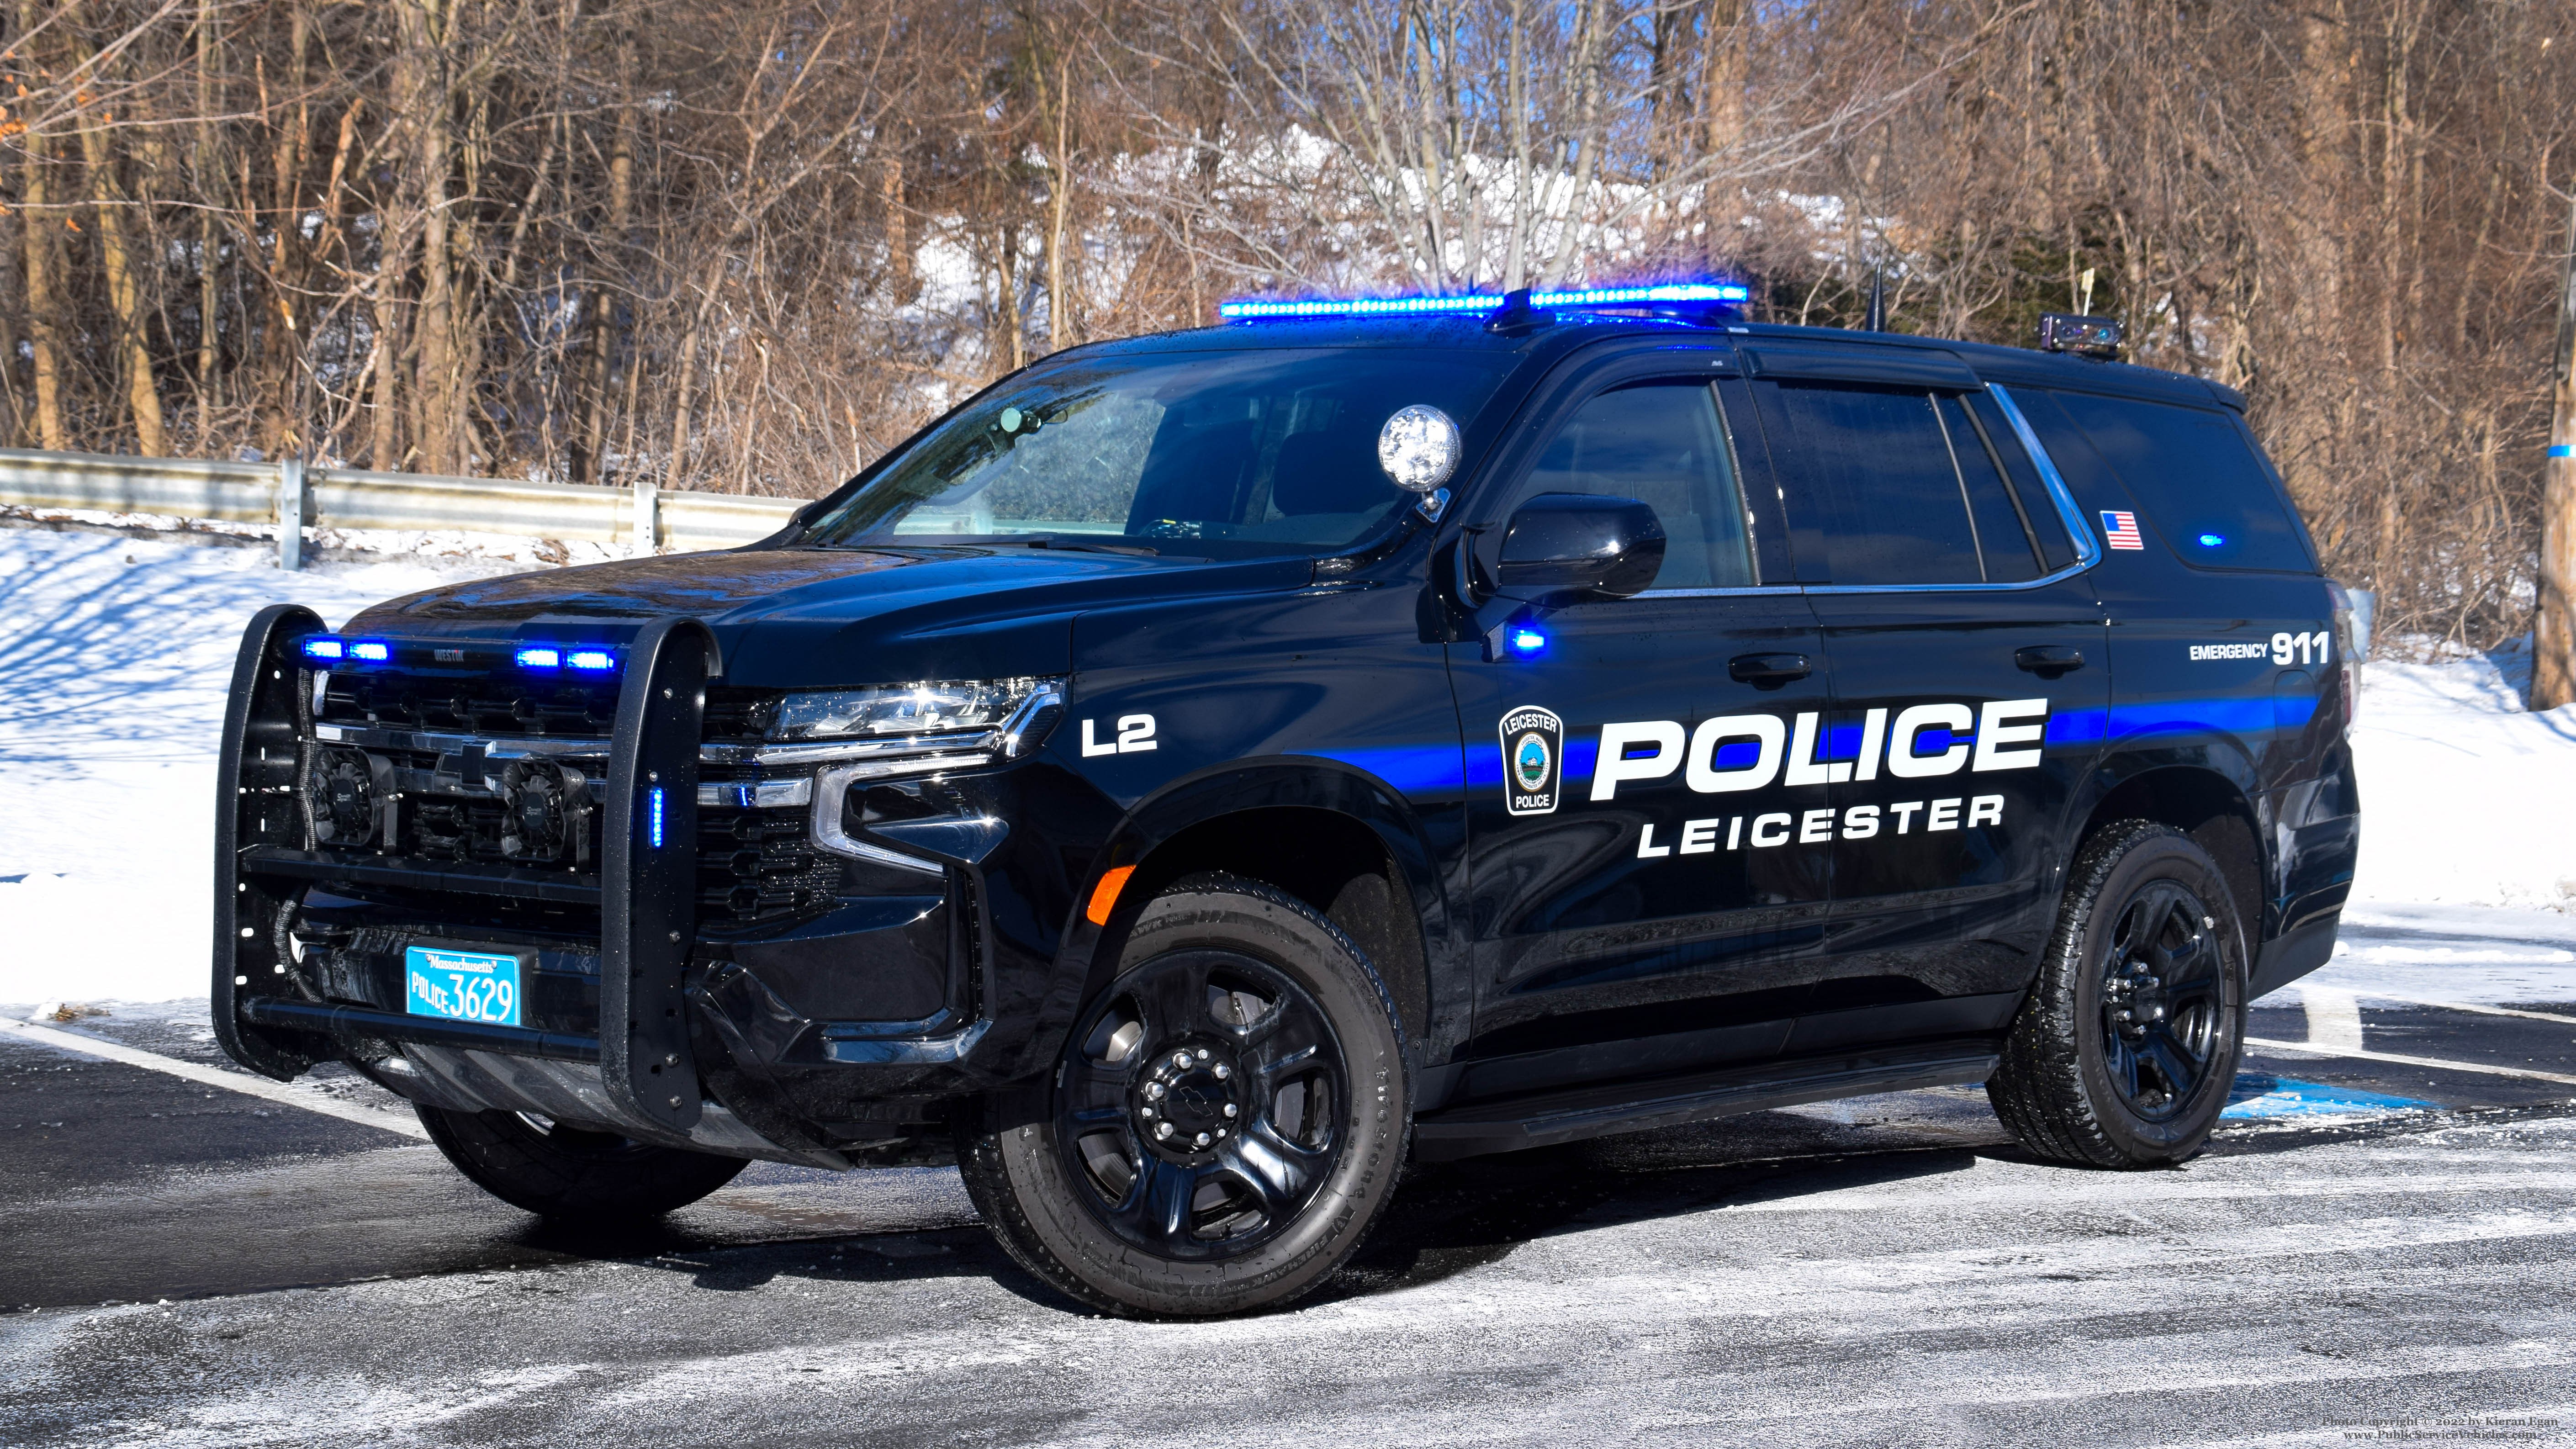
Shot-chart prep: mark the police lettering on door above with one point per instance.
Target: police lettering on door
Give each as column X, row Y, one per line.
column 1736, row 754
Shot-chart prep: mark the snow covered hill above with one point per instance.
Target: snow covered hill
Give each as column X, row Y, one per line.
column 115, row 653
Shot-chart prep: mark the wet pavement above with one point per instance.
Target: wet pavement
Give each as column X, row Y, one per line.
column 2365, row 1240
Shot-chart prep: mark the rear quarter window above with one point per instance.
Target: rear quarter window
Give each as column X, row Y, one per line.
column 2197, row 480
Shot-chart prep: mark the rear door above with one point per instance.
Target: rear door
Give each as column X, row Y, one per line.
column 1969, row 675
column 1639, row 900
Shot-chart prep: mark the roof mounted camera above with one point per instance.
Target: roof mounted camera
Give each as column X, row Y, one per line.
column 2083, row 336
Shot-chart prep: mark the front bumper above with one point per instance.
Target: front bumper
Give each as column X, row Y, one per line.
column 834, row 1029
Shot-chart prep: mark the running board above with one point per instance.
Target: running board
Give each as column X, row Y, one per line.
column 1546, row 1120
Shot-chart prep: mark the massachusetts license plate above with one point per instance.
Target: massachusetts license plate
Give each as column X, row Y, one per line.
column 479, row 986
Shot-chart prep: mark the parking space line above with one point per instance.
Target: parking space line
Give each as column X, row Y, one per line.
column 2334, row 1018
column 285, row 1094
column 2378, row 995
column 2320, row 1049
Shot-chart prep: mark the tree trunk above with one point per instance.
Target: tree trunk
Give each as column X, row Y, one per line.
column 435, row 410
column 2553, row 644
column 44, row 290
column 124, row 293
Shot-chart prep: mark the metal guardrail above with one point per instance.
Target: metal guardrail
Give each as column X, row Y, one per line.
column 348, row 498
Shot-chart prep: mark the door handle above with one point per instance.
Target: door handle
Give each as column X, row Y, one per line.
column 2048, row 660
column 1768, row 671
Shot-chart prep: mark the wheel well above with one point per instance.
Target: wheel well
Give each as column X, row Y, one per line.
column 1330, row 861
column 2213, row 812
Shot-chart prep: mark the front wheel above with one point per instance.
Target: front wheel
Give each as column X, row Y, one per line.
column 1226, row 1123
column 566, row 1172
column 2125, row 1052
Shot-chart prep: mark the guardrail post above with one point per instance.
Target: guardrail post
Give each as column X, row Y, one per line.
column 290, row 513
column 648, row 504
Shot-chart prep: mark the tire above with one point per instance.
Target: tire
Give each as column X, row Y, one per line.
column 1227, row 1122
column 2125, row 1052
column 564, row 1172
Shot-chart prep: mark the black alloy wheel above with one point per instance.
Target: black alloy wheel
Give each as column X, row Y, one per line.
column 1199, row 1102
column 2125, row 1051
column 1226, row 1123
column 2162, row 999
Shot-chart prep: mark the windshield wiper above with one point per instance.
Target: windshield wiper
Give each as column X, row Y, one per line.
column 1071, row 545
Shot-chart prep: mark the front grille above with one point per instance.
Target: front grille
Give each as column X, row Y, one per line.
column 399, row 776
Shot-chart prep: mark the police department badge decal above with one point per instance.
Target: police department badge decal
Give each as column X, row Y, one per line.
column 1533, row 760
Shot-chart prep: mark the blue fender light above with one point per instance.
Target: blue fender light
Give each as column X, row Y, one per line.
column 2212, row 540
column 540, row 659
column 655, row 811
column 1526, row 641
column 591, row 659
column 325, row 649
column 374, row 651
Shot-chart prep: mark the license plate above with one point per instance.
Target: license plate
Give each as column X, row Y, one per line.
column 458, row 985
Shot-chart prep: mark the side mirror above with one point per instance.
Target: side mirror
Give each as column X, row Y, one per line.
column 1564, row 548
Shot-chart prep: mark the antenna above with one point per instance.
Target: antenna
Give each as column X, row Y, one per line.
column 1877, row 302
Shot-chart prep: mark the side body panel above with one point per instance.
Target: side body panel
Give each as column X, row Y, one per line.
column 2235, row 673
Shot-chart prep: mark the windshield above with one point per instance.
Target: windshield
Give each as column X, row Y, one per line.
column 1219, row 454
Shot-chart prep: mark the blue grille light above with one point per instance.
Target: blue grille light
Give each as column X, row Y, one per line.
column 1485, row 302
column 324, row 649
column 374, row 651
column 1528, row 642
column 540, row 659
column 2212, row 540
column 593, row 659
column 656, row 827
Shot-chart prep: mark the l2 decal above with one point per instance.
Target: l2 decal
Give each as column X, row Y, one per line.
column 1533, row 760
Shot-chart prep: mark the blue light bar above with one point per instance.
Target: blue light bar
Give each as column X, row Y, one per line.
column 374, row 651
column 1485, row 302
column 324, row 649
column 656, row 794
column 540, row 659
column 593, row 659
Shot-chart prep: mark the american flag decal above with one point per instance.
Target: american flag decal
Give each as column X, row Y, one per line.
column 2122, row 529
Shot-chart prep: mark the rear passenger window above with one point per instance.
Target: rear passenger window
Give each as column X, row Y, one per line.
column 1661, row 444
column 2038, row 508
column 2197, row 481
column 1899, row 485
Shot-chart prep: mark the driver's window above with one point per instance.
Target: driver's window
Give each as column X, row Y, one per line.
column 1660, row 443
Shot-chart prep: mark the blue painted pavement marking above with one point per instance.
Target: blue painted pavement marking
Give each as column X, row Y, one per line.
column 2261, row 1096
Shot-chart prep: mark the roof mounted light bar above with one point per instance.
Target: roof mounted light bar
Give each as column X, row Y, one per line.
column 1668, row 293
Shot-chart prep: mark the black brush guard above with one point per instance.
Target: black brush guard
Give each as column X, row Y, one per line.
column 646, row 893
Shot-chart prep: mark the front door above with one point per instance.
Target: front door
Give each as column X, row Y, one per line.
column 1645, row 875
column 1970, row 672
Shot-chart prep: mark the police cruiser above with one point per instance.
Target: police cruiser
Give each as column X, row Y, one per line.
column 1205, row 772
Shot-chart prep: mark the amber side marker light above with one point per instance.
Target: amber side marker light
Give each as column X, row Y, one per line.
column 1104, row 896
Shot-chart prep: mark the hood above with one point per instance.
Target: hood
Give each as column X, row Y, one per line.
column 803, row 617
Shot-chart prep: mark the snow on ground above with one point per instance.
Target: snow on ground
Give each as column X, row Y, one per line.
column 116, row 652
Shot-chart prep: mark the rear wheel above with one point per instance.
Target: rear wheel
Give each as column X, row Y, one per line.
column 1226, row 1123
column 568, row 1172
column 2127, row 1048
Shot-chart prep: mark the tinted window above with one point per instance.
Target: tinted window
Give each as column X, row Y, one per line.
column 2003, row 534
column 1874, row 469
column 1662, row 445
column 1222, row 454
column 2038, row 509
column 2196, row 479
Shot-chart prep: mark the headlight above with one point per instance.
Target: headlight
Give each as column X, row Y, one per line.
column 857, row 736
column 906, row 709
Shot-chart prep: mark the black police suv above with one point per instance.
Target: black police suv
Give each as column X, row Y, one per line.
column 1205, row 771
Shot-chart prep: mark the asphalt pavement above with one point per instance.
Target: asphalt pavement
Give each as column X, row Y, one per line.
column 2374, row 1247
